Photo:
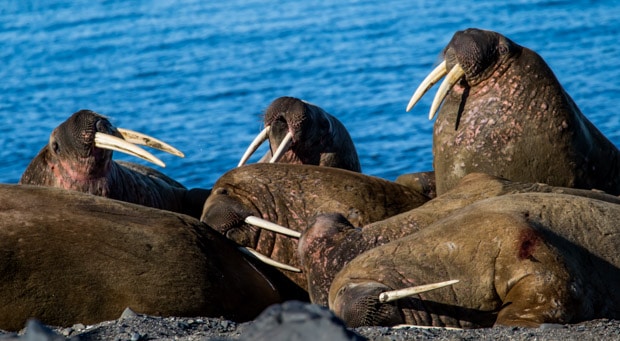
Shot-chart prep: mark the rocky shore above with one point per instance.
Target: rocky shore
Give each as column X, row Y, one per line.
column 297, row 321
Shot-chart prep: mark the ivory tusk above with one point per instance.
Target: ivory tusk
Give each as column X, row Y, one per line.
column 393, row 295
column 258, row 140
column 267, row 260
column 452, row 77
column 428, row 83
column 285, row 145
column 110, row 142
column 267, row 225
column 145, row 140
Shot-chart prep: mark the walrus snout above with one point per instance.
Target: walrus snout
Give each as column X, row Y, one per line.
column 77, row 133
column 357, row 304
column 476, row 51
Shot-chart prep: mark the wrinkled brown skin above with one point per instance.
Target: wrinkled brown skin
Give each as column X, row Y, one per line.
column 71, row 161
column 331, row 241
column 514, row 120
column 318, row 137
column 522, row 260
column 289, row 194
column 67, row 257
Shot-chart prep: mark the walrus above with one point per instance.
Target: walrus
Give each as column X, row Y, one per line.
column 505, row 113
column 68, row 257
column 302, row 133
column 78, row 157
column 521, row 260
column 331, row 241
column 288, row 195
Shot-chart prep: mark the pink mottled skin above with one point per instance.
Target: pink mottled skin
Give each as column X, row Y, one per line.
column 510, row 117
column 72, row 161
column 289, row 195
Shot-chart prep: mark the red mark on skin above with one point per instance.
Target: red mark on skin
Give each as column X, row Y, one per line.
column 528, row 240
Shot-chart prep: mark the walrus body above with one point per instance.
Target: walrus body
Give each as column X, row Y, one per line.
column 72, row 161
column 522, row 259
column 289, row 194
column 331, row 241
column 510, row 117
column 318, row 138
column 67, row 257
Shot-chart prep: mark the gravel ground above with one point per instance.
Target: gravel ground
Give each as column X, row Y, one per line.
column 297, row 321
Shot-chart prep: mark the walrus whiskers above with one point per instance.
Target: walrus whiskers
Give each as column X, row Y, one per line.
column 284, row 146
column 267, row 225
column 258, row 140
column 110, row 142
column 145, row 140
column 455, row 74
column 267, row 260
column 393, row 295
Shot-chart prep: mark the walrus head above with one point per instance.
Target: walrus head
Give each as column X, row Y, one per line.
column 478, row 53
column 73, row 141
column 226, row 214
column 471, row 56
column 298, row 132
column 79, row 153
column 358, row 305
column 239, row 220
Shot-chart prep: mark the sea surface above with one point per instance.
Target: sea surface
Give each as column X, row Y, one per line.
column 199, row 74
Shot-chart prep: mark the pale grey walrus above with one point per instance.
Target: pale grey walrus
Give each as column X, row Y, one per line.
column 288, row 195
column 68, row 257
column 303, row 133
column 520, row 259
column 506, row 114
column 78, row 157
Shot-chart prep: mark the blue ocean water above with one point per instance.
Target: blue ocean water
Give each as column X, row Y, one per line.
column 198, row 74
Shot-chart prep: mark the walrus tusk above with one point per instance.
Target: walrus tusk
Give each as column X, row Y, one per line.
column 267, row 260
column 427, row 83
column 285, row 145
column 145, row 140
column 110, row 142
column 393, row 295
column 258, row 140
column 267, row 225
column 452, row 77
column 402, row 326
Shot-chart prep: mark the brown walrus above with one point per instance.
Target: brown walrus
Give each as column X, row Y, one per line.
column 79, row 157
column 331, row 241
column 67, row 257
column 521, row 259
column 506, row 114
column 303, row 133
column 289, row 194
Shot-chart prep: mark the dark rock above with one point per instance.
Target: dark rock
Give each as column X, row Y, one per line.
column 295, row 320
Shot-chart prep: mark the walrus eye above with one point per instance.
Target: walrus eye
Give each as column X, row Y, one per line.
column 503, row 49
column 55, row 147
column 221, row 191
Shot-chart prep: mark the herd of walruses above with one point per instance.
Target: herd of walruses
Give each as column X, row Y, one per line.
column 517, row 223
